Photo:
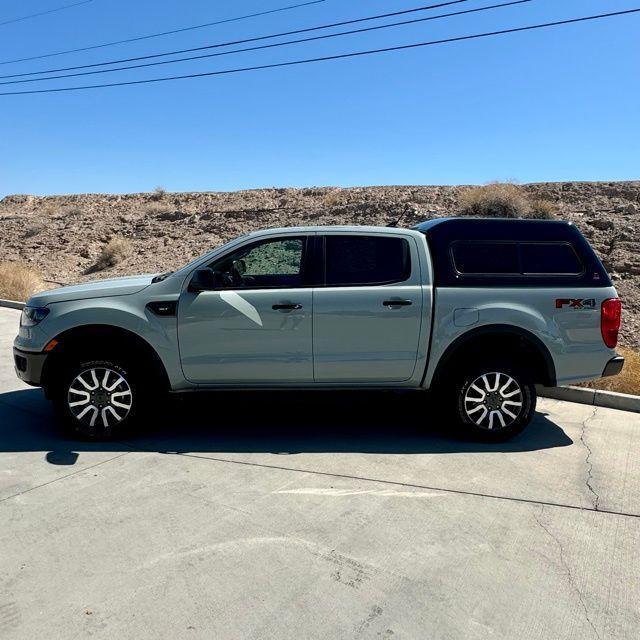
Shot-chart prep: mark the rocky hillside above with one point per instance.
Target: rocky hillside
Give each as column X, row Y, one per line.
column 63, row 235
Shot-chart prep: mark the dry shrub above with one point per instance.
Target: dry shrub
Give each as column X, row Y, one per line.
column 542, row 209
column 496, row 200
column 503, row 200
column 156, row 209
column 333, row 198
column 19, row 281
column 115, row 251
column 72, row 212
column 158, row 193
column 49, row 211
column 628, row 381
column 34, row 230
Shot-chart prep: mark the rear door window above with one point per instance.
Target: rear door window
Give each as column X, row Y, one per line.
column 366, row 260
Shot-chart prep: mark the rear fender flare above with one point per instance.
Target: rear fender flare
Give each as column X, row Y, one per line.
column 480, row 333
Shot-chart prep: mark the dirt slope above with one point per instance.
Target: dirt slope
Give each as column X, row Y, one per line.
column 63, row 235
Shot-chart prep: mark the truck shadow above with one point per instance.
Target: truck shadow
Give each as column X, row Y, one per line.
column 282, row 422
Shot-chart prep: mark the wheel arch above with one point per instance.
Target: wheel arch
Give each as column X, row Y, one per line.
column 482, row 340
column 106, row 339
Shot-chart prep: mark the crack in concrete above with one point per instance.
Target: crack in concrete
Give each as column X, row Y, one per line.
column 395, row 483
column 64, row 477
column 596, row 497
column 567, row 570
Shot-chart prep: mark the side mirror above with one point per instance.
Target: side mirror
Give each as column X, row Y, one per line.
column 205, row 280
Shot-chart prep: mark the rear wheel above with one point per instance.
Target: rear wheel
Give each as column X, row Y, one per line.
column 98, row 399
column 494, row 402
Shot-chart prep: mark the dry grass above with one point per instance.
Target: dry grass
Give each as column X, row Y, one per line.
column 19, row 281
column 114, row 252
column 628, row 381
column 503, row 200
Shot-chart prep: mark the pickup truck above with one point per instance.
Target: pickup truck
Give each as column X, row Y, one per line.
column 481, row 310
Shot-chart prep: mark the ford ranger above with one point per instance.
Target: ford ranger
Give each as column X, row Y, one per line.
column 481, row 310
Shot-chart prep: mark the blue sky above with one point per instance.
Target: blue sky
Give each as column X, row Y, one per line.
column 556, row 104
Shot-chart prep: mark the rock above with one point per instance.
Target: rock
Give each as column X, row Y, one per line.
column 172, row 216
column 631, row 210
column 602, row 223
column 18, row 199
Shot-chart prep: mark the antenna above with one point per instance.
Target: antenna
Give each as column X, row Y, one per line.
column 396, row 222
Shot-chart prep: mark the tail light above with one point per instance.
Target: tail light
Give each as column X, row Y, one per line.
column 610, row 321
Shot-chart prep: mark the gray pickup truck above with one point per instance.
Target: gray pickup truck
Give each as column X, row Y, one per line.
column 481, row 310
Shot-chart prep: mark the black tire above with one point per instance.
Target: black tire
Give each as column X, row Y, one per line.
column 110, row 409
column 494, row 401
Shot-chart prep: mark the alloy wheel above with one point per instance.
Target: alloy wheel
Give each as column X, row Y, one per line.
column 100, row 397
column 493, row 400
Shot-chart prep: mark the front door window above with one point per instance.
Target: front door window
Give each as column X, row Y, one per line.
column 266, row 264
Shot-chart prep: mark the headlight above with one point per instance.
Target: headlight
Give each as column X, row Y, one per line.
column 33, row 315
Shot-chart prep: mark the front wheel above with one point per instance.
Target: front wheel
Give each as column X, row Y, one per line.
column 98, row 399
column 494, row 402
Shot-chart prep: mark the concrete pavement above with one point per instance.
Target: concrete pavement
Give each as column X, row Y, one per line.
column 327, row 515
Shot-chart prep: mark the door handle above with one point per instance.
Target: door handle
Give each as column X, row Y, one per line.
column 286, row 307
column 397, row 303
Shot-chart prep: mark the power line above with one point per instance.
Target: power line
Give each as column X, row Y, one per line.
column 327, row 58
column 274, row 45
column 157, row 35
column 246, row 40
column 44, row 13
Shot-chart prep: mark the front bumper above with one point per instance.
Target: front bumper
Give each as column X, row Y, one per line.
column 29, row 366
column 613, row 367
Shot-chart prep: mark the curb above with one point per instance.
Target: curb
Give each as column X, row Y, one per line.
column 12, row 304
column 593, row 397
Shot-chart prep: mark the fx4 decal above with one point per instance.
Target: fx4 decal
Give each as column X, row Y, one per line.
column 575, row 303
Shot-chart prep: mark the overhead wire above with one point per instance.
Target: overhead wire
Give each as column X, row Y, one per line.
column 161, row 33
column 44, row 13
column 229, row 43
column 341, row 56
column 273, row 45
